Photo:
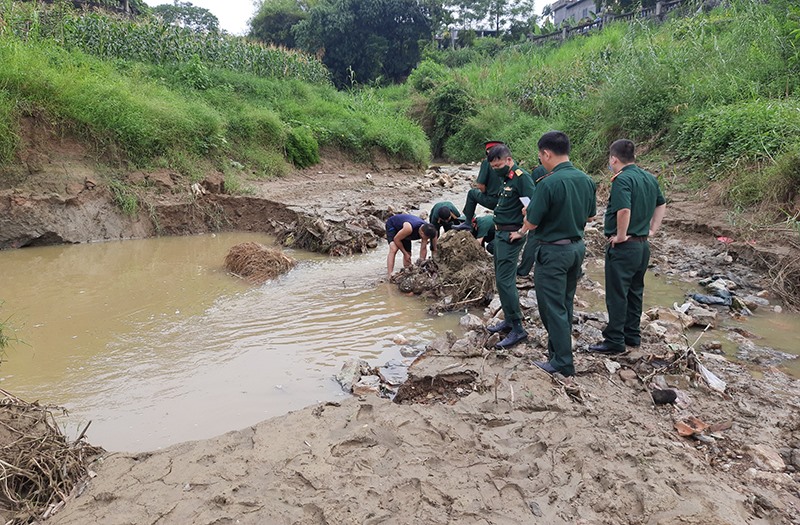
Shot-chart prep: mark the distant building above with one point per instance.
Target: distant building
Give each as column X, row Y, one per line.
column 572, row 10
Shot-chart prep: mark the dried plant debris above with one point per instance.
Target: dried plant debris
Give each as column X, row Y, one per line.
column 40, row 470
column 257, row 263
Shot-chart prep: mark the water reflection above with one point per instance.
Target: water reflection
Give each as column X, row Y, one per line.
column 156, row 343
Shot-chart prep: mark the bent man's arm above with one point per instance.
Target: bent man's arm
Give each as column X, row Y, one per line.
column 623, row 221
column 658, row 216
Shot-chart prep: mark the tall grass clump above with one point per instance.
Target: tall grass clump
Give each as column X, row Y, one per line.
column 142, row 117
column 8, row 128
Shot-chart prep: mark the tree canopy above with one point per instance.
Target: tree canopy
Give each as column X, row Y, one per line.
column 365, row 40
column 274, row 20
column 184, row 14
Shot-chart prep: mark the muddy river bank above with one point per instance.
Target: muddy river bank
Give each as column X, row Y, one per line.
column 506, row 444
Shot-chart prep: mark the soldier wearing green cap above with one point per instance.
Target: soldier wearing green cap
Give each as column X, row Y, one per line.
column 508, row 218
column 562, row 204
column 487, row 187
column 635, row 210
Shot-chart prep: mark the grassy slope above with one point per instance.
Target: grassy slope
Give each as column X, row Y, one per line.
column 719, row 89
column 192, row 114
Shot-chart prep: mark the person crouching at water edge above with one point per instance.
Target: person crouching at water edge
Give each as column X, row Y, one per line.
column 403, row 228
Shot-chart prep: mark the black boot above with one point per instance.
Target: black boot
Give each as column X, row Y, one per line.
column 517, row 335
column 502, row 326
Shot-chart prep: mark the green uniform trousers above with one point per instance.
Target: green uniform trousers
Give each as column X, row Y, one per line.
column 475, row 197
column 506, row 255
column 528, row 255
column 626, row 264
column 556, row 278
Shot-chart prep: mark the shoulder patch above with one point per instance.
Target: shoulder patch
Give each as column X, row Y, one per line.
column 518, row 172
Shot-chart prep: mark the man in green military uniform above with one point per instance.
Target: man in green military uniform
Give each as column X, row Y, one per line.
column 444, row 215
column 529, row 251
column 508, row 217
column 635, row 210
column 562, row 204
column 483, row 230
column 488, row 187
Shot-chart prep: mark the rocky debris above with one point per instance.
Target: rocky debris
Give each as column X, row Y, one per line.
column 351, row 373
column 766, row 458
column 337, row 236
column 369, row 384
column 761, row 355
column 459, row 275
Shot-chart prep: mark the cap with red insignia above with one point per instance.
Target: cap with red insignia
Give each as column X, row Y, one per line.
column 492, row 143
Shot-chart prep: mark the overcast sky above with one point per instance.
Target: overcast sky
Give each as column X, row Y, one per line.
column 234, row 14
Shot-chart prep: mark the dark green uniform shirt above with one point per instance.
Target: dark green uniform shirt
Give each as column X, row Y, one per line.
column 434, row 215
column 518, row 183
column 563, row 201
column 637, row 190
column 538, row 174
column 488, row 178
column 484, row 225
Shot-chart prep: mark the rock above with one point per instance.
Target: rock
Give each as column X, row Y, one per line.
column 677, row 381
column 470, row 322
column 469, row 346
column 753, row 301
column 399, row 339
column 409, row 351
column 442, row 343
column 351, row 372
column 627, row 374
column 367, row 385
column 795, row 458
column 162, row 180
column 393, row 373
column 611, row 366
column 714, row 347
column 773, row 477
column 214, row 183
column 777, row 309
column 494, row 306
column 663, row 397
column 767, row 458
column 666, row 315
column 703, row 317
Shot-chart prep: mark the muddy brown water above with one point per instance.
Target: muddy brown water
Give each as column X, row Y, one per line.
column 156, row 344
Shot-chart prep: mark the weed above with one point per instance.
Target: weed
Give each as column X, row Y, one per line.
column 124, row 197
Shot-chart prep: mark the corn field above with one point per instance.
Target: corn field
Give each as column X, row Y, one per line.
column 154, row 42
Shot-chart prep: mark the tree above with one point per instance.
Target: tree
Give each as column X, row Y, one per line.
column 274, row 20
column 184, row 14
column 365, row 40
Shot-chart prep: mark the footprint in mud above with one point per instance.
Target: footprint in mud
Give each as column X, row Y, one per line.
column 351, row 445
column 365, row 413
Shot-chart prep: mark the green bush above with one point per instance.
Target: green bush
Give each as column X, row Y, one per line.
column 449, row 106
column 778, row 183
column 302, row 149
column 427, row 75
column 752, row 131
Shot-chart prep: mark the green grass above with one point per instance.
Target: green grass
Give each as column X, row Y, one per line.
column 8, row 127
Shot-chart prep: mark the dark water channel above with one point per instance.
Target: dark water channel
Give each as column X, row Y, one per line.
column 156, row 344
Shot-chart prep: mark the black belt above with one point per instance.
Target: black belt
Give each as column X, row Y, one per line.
column 633, row 238
column 507, row 227
column 561, row 242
